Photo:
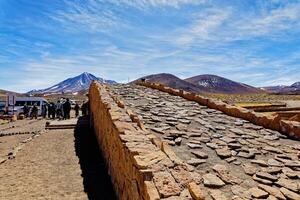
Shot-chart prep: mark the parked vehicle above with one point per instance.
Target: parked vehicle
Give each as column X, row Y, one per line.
column 29, row 101
column 2, row 107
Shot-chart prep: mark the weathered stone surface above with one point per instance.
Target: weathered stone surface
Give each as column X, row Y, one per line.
column 265, row 175
column 166, row 184
column 258, row 193
column 217, row 195
column 223, row 153
column 195, row 161
column 211, row 180
column 262, row 180
column 289, row 194
column 272, row 191
column 249, row 169
column 152, row 192
column 259, row 162
column 194, row 146
column 200, row 154
column 289, row 184
column 195, row 191
column 181, row 175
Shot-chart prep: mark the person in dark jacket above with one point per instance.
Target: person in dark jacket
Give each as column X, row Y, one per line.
column 44, row 110
column 76, row 108
column 25, row 110
column 67, row 109
column 34, row 112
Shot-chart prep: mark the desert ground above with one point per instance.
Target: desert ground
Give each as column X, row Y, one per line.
column 50, row 164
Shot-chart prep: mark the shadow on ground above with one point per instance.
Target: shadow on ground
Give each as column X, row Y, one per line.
column 97, row 183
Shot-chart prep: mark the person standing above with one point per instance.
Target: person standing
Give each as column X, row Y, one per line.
column 67, row 109
column 49, row 107
column 25, row 110
column 34, row 112
column 58, row 110
column 76, row 108
column 44, row 110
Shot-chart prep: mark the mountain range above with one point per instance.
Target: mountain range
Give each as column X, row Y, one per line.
column 72, row 85
column 206, row 83
column 283, row 89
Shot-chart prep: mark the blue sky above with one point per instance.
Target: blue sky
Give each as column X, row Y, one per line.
column 252, row 41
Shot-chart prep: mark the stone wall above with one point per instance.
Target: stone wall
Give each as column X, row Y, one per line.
column 290, row 128
column 140, row 165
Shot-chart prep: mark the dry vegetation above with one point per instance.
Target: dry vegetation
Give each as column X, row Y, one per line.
column 253, row 98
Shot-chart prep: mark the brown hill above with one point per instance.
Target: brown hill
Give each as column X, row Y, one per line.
column 173, row 81
column 217, row 84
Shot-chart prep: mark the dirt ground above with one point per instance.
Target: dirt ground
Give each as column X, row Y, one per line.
column 57, row 164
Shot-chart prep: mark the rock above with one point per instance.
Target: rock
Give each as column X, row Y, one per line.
column 240, row 191
column 172, row 143
column 289, row 194
column 245, row 155
column 223, row 153
column 231, row 159
column 249, row 169
column 220, row 168
column 212, row 145
column 265, row 175
column 195, row 191
column 178, row 141
column 259, row 162
column 195, row 161
column 200, row 154
column 194, row 146
column 262, row 180
column 234, row 145
column 272, row 170
column 274, row 163
column 258, row 193
column 289, row 172
column 181, row 175
column 166, row 184
column 292, row 185
column 272, row 191
column 211, row 180
column 271, row 137
column 292, row 163
column 237, row 131
column 217, row 195
column 272, row 149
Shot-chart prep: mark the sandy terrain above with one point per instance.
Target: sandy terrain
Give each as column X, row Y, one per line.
column 58, row 164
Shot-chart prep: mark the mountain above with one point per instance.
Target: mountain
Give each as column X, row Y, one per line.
column 217, row 84
column 203, row 84
column 172, row 81
column 72, row 85
column 292, row 89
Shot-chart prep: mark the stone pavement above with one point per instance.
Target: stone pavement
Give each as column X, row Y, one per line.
column 229, row 158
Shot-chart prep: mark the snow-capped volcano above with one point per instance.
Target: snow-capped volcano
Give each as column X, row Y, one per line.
column 72, row 85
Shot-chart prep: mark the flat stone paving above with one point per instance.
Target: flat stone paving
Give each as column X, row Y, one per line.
column 231, row 158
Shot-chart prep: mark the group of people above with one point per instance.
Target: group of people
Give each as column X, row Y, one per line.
column 59, row 110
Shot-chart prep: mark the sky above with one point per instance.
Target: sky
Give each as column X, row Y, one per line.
column 42, row 42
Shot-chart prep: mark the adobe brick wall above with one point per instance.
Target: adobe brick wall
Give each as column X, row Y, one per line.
column 290, row 128
column 140, row 165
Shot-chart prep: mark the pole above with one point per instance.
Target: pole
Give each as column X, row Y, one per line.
column 13, row 104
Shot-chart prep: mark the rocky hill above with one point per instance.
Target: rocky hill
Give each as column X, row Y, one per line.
column 217, row 84
column 282, row 89
column 203, row 84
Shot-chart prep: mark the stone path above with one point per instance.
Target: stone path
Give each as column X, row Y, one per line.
column 58, row 164
column 229, row 157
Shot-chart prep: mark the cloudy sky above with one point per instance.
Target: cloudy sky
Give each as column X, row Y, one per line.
column 252, row 41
